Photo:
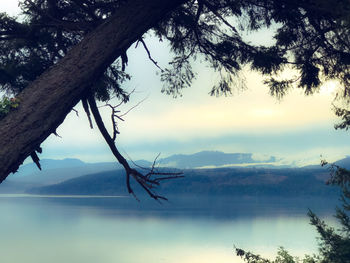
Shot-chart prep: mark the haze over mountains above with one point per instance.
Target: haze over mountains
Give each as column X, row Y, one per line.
column 212, row 159
column 248, row 175
column 183, row 161
column 225, row 182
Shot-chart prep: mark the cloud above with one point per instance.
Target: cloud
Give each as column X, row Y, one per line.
column 249, row 121
column 199, row 115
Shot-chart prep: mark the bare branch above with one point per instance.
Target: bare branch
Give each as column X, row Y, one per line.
column 87, row 111
column 76, row 112
column 135, row 164
column 113, row 116
column 173, row 176
column 145, row 181
column 133, row 107
column 155, row 160
column 149, row 53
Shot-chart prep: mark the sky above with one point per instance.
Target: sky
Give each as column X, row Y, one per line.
column 297, row 130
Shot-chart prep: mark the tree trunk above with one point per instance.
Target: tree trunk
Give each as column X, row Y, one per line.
column 45, row 103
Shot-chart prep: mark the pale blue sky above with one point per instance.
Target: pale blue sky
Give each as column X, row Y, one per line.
column 296, row 129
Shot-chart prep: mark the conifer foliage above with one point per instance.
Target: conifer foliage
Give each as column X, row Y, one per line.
column 334, row 242
column 38, row 49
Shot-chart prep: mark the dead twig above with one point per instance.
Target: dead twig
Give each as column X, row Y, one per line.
column 115, row 114
column 133, row 107
column 148, row 53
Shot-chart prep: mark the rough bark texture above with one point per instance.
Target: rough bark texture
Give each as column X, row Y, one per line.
column 45, row 103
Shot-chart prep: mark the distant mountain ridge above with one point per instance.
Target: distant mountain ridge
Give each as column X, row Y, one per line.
column 183, row 161
column 210, row 158
column 53, row 172
column 291, row 182
column 48, row 164
column 344, row 163
column 59, row 171
column 51, row 166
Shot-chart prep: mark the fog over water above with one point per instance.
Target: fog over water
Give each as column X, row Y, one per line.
column 109, row 229
column 106, row 230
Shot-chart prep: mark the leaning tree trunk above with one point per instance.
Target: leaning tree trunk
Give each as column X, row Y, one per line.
column 45, row 103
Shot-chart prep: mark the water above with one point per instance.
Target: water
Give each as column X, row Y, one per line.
column 105, row 230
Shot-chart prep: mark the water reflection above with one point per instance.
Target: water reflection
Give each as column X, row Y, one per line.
column 107, row 230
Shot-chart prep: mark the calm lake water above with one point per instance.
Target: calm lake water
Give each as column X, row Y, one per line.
column 91, row 229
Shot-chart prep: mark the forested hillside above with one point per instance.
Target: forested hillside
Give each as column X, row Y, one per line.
column 221, row 182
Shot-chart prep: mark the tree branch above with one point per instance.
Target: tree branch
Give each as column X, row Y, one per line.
column 149, row 53
column 212, row 9
column 145, row 181
column 35, row 159
column 87, row 111
column 64, row 24
column 64, row 84
column 114, row 122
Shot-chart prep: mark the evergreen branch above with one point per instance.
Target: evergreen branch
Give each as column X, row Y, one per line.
column 212, row 9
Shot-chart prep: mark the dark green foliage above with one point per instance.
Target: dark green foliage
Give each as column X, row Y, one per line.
column 223, row 87
column 344, row 114
column 334, row 246
column 279, row 88
column 282, row 257
column 6, row 105
column 223, row 182
column 334, row 243
column 179, row 76
column 49, row 30
column 267, row 60
column 311, row 36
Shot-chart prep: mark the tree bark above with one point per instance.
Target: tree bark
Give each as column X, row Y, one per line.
column 45, row 103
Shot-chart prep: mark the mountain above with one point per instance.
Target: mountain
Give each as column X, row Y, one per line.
column 60, row 171
column 206, row 182
column 211, row 159
column 48, row 164
column 54, row 172
column 105, row 183
column 345, row 163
